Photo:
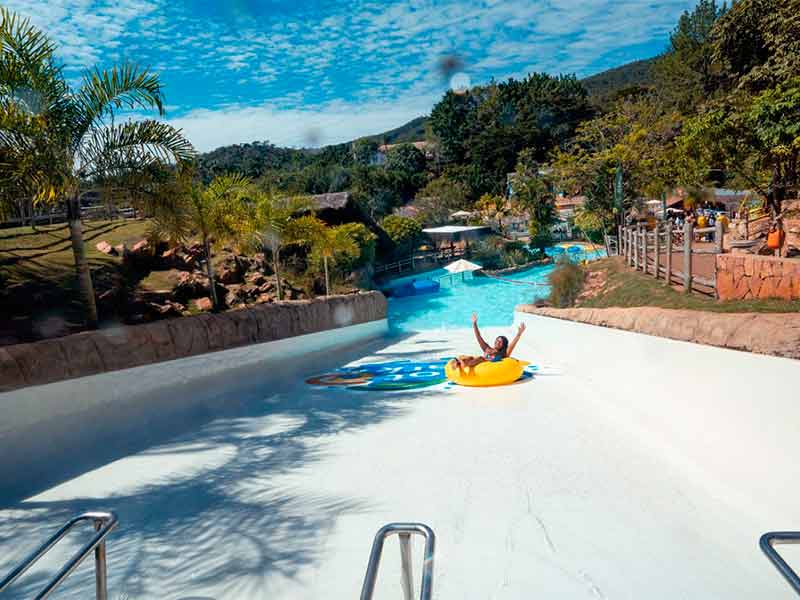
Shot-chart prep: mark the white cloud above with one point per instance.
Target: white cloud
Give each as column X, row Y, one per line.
column 379, row 56
column 330, row 123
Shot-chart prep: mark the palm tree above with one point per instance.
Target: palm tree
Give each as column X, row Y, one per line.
column 54, row 140
column 330, row 243
column 210, row 212
column 271, row 222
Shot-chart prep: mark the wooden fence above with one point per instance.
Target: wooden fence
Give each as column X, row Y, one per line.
column 667, row 253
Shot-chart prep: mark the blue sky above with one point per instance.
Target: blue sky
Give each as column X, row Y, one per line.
column 313, row 72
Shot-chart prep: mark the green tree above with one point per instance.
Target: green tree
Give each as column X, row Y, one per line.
column 404, row 232
column 271, row 221
column 58, row 140
column 482, row 131
column 376, row 190
column 366, row 242
column 208, row 211
column 364, row 151
column 329, row 245
column 496, row 209
column 534, row 194
column 687, row 72
column 755, row 138
column 757, row 43
column 407, row 164
column 439, row 199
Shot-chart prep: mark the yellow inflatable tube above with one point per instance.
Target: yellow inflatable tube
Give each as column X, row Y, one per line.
column 504, row 372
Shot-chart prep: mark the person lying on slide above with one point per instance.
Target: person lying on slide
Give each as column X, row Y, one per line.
column 495, row 353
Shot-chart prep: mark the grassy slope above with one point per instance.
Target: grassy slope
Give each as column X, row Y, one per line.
column 627, row 288
column 45, row 254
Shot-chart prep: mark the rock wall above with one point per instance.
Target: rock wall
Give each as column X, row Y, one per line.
column 106, row 350
column 746, row 276
column 775, row 334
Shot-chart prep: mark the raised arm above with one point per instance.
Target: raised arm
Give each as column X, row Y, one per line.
column 513, row 343
column 481, row 342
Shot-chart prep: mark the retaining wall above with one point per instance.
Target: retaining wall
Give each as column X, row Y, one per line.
column 774, row 334
column 746, row 276
column 107, row 350
column 52, row 432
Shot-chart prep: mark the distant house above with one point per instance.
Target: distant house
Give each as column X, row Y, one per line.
column 566, row 207
column 722, row 198
column 409, row 211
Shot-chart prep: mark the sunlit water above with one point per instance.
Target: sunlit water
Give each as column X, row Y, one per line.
column 493, row 300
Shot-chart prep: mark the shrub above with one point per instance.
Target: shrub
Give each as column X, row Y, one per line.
column 566, row 283
column 404, row 232
column 365, row 240
column 487, row 254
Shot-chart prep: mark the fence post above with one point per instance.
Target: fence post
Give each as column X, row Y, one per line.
column 657, row 255
column 688, row 234
column 627, row 246
column 620, row 242
column 636, row 247
column 669, row 253
column 718, row 234
column 644, row 249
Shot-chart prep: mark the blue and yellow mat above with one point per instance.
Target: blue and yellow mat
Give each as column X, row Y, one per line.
column 396, row 375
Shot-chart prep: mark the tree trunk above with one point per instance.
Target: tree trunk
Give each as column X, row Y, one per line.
column 210, row 273
column 327, row 280
column 81, row 264
column 276, row 257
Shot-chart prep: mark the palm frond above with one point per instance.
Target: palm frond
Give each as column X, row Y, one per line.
column 127, row 86
column 29, row 75
column 141, row 143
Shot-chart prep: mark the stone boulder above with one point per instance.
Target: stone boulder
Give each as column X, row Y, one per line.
column 106, row 248
column 204, row 304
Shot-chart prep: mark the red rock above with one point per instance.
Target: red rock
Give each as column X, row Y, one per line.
column 205, row 304
column 140, row 247
column 105, row 248
column 726, row 290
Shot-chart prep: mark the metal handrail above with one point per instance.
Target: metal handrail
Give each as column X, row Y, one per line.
column 767, row 543
column 404, row 531
column 104, row 522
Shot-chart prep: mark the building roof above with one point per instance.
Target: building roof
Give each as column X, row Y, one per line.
column 334, row 200
column 570, row 201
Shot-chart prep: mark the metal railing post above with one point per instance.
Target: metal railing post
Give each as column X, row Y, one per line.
column 407, row 573
column 404, row 530
column 767, row 543
column 103, row 524
column 100, row 566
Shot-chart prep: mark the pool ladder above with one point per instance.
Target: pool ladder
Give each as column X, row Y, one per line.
column 404, row 531
column 767, row 544
column 103, row 522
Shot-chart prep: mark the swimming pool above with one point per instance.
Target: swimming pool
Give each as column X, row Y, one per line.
column 493, row 300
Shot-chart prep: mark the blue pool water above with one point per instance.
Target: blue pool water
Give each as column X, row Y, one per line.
column 493, row 300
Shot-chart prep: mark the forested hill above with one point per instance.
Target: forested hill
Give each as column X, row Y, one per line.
column 603, row 86
column 257, row 157
column 413, row 131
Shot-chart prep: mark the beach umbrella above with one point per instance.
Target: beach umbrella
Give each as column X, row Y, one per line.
column 462, row 266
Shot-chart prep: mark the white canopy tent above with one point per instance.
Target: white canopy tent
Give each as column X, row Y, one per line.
column 462, row 266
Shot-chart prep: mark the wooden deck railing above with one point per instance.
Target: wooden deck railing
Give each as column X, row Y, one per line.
column 643, row 250
column 411, row 262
